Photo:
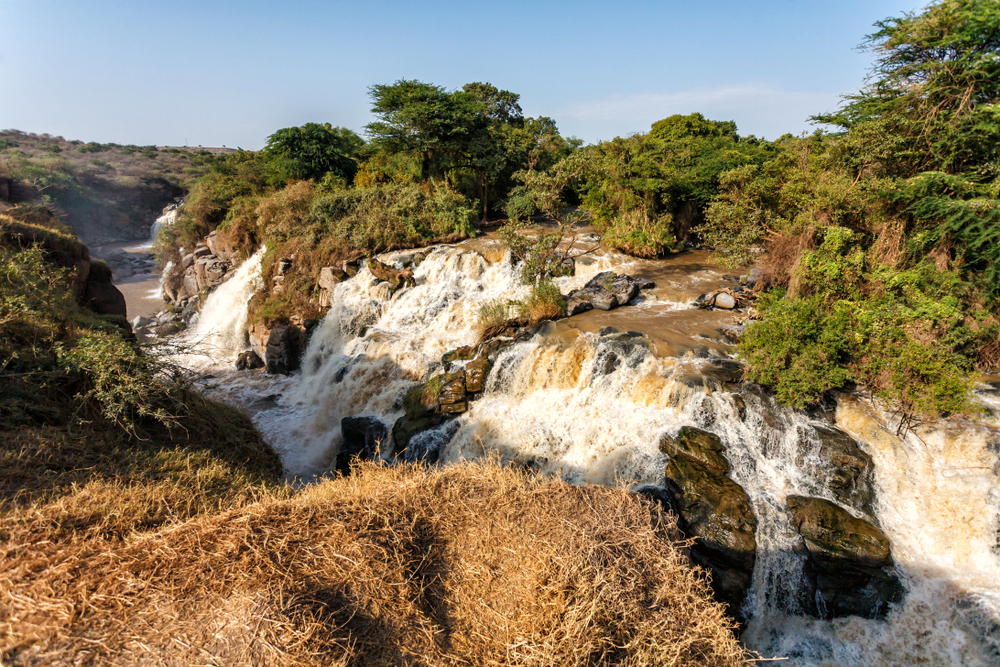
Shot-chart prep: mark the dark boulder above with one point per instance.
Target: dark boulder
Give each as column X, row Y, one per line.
column 703, row 446
column 406, row 428
column 848, row 470
column 248, row 361
column 717, row 511
column 364, row 438
column 849, row 560
column 283, row 350
column 605, row 291
column 99, row 295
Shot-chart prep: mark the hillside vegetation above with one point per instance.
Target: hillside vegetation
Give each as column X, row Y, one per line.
column 104, row 192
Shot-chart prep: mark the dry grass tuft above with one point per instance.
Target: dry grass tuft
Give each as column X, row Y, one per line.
column 468, row 565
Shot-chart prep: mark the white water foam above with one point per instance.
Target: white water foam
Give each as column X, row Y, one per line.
column 592, row 409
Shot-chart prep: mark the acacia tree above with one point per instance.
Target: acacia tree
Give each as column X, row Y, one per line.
column 426, row 121
column 313, row 150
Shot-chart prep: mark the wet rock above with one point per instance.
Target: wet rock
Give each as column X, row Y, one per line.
column 660, row 495
column 577, row 303
column 398, row 278
column 705, row 447
column 453, row 390
column 406, row 428
column 476, row 372
column 850, row 560
column 419, row 403
column 605, row 291
column 625, row 289
column 350, row 267
column 99, row 295
column 454, row 408
column 460, row 354
column 849, row 471
column 717, row 511
column 283, row 350
column 364, row 438
column 249, row 361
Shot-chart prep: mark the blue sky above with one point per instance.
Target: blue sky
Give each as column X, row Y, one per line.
column 229, row 73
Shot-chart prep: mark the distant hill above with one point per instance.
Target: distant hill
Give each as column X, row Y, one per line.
column 104, row 192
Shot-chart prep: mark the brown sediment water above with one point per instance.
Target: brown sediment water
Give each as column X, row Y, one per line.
column 141, row 291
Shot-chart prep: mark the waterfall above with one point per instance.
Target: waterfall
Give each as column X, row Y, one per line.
column 168, row 218
column 592, row 406
column 221, row 328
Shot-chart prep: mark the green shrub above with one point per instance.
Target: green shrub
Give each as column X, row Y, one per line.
column 545, row 302
column 393, row 215
column 912, row 337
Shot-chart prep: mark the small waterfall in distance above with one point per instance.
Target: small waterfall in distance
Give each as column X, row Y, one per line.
column 166, row 220
column 592, row 410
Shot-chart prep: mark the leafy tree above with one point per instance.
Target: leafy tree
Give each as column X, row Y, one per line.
column 425, row 121
column 312, row 151
column 647, row 190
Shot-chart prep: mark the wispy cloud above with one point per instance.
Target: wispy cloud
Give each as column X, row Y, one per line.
column 757, row 108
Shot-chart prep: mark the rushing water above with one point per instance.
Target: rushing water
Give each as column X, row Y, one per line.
column 165, row 220
column 592, row 407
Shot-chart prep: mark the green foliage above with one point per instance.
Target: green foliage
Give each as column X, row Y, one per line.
column 392, row 216
column 542, row 251
column 476, row 138
column 52, row 349
column 496, row 311
column 425, row 121
column 646, row 191
column 908, row 336
column 545, row 302
column 312, row 151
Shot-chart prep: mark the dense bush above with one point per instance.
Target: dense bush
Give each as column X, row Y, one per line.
column 393, row 216
column 911, row 336
column 646, row 191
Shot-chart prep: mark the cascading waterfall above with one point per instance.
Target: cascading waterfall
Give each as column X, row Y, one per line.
column 221, row 328
column 165, row 220
column 592, row 408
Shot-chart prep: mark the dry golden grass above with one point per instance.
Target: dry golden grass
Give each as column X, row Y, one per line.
column 467, row 565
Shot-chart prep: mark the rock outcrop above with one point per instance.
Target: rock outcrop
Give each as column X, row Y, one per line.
column 715, row 510
column 364, row 438
column 605, row 291
column 848, row 471
column 100, row 295
column 210, row 264
column 850, row 561
column 397, row 278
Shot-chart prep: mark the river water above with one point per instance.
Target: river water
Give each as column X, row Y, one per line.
column 576, row 402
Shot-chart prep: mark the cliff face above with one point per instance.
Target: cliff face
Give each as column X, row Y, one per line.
column 23, row 227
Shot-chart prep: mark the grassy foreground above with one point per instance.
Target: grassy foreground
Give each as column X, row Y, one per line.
column 142, row 524
column 472, row 564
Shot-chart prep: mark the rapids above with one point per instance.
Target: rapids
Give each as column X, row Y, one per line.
column 580, row 402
